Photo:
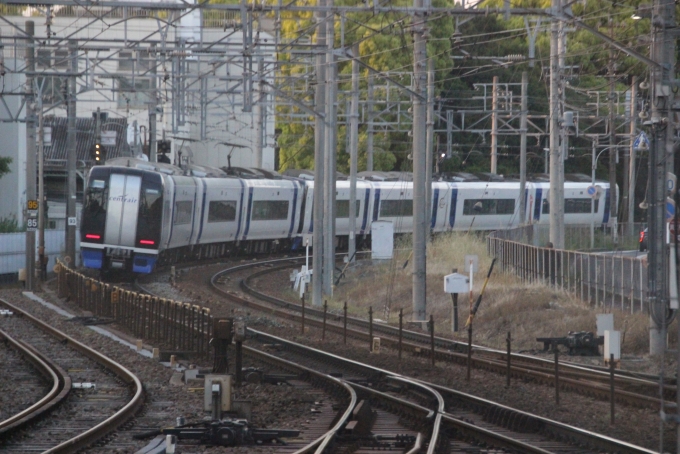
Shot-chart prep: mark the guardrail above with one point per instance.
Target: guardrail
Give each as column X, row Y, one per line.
column 176, row 326
column 605, row 278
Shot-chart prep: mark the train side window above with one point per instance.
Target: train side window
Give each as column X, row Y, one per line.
column 184, row 211
column 396, row 208
column 575, row 206
column 269, row 210
column 475, row 207
column 222, row 211
column 545, row 209
column 342, row 208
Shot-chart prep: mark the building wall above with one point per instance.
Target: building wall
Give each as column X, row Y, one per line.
column 13, row 145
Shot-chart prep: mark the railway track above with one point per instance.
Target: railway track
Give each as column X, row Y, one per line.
column 91, row 395
column 465, row 419
column 633, row 389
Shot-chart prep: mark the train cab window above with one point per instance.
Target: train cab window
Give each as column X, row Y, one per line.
column 222, row 211
column 94, row 210
column 396, row 208
column 95, row 197
column 150, row 214
column 477, row 207
column 184, row 211
column 342, row 208
column 269, row 210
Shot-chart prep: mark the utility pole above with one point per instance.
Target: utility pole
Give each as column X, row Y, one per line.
column 369, row 126
column 494, row 126
column 354, row 152
column 523, row 149
column 556, row 164
column 153, row 144
column 429, row 147
column 630, row 193
column 329, row 201
column 30, row 150
column 71, row 150
column 42, row 202
column 419, row 160
column 613, row 151
column 660, row 162
column 259, row 115
column 319, row 140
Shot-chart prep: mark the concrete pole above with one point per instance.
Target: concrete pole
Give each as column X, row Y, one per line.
column 429, row 147
column 259, row 115
column 353, row 153
column 631, row 156
column 556, row 203
column 419, row 161
column 660, row 162
column 494, row 126
column 613, row 150
column 523, row 149
column 153, row 146
column 41, row 189
column 72, row 150
column 369, row 127
column 319, row 139
column 329, row 201
column 30, row 150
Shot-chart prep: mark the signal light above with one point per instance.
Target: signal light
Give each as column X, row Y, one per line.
column 98, row 153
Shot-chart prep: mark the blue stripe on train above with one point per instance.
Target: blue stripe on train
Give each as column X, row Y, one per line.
column 367, row 199
column 376, row 204
column 240, row 210
column 250, row 206
column 538, row 201
column 292, row 214
column 605, row 220
column 452, row 211
column 435, row 198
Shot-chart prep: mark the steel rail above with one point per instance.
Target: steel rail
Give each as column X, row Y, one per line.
column 95, row 433
column 61, row 386
column 324, row 440
column 607, row 444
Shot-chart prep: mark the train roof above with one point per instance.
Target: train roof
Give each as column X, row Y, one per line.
column 168, row 169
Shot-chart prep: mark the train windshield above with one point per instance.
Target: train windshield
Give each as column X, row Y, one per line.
column 94, row 208
column 150, row 212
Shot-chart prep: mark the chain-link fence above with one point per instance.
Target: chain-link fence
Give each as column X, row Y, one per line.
column 614, row 274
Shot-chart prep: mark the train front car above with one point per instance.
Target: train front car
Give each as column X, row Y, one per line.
column 121, row 219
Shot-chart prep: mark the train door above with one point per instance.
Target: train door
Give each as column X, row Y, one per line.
column 123, row 209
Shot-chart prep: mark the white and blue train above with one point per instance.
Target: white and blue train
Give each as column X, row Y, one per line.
column 138, row 214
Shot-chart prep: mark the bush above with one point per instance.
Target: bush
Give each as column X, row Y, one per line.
column 10, row 225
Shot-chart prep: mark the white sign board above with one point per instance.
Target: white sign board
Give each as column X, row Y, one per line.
column 109, row 138
column 612, row 345
column 382, row 240
column 72, row 221
column 605, row 322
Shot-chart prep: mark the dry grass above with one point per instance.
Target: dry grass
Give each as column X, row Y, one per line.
column 528, row 311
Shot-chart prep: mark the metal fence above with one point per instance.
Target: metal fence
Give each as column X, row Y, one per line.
column 179, row 327
column 13, row 252
column 612, row 278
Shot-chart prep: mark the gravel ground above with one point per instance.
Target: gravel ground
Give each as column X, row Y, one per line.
column 274, row 406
